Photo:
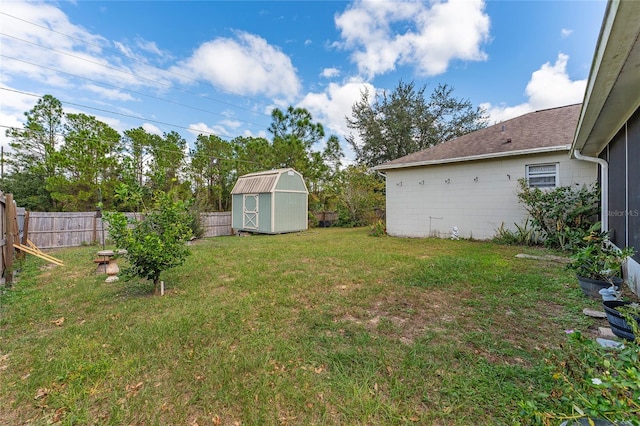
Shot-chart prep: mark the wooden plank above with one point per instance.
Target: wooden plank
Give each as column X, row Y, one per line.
column 39, row 254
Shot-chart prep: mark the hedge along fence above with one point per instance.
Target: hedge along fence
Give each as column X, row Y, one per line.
column 58, row 229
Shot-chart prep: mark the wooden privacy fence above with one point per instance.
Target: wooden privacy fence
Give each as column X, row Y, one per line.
column 216, row 224
column 11, row 233
column 55, row 229
column 326, row 219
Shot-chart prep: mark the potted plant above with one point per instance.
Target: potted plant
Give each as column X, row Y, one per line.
column 598, row 264
column 621, row 316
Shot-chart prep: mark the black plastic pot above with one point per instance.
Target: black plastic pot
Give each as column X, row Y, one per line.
column 619, row 326
column 592, row 287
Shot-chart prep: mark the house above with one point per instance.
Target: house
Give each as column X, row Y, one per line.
column 470, row 183
column 608, row 130
column 270, row 202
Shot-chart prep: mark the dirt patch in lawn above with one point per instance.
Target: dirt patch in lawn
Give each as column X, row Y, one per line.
column 409, row 314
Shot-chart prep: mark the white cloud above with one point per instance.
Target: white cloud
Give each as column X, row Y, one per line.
column 111, row 94
column 246, row 65
column 386, row 34
column 330, row 72
column 204, row 129
column 565, row 32
column 43, row 41
column 14, row 105
column 152, row 128
column 233, row 124
column 549, row 87
column 333, row 106
column 152, row 47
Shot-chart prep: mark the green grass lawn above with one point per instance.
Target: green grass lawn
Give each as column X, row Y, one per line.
column 328, row 326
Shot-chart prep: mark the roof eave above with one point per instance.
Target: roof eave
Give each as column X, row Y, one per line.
column 474, row 157
column 611, row 95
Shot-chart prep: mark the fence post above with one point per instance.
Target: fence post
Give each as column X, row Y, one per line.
column 25, row 228
column 10, row 221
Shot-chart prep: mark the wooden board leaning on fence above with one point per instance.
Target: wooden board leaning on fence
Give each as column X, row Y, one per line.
column 35, row 251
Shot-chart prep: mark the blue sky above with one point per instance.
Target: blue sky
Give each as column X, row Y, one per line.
column 220, row 67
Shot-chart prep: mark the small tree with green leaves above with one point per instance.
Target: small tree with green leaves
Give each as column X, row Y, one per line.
column 155, row 243
column 563, row 215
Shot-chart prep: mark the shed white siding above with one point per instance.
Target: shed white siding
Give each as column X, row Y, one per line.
column 475, row 196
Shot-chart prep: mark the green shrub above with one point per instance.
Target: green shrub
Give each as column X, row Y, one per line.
column 524, row 235
column 564, row 215
column 378, row 229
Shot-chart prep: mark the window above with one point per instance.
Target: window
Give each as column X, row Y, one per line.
column 542, row 175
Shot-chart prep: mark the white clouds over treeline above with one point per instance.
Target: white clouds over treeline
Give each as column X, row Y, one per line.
column 374, row 38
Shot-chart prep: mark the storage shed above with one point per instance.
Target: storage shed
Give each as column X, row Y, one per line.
column 270, row 202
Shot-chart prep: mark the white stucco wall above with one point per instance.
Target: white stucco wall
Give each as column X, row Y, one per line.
column 420, row 203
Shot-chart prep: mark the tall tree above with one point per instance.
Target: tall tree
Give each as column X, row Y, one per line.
column 211, row 165
column 402, row 122
column 137, row 147
column 31, row 159
column 167, row 163
column 252, row 154
column 89, row 162
column 296, row 123
column 323, row 173
column 294, row 134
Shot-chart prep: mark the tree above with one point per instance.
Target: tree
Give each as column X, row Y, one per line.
column 397, row 124
column 211, row 165
column 323, row 172
column 167, row 161
column 252, row 154
column 360, row 193
column 294, row 134
column 157, row 242
column 32, row 157
column 296, row 123
column 89, row 164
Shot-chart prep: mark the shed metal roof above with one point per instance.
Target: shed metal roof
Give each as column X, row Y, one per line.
column 259, row 182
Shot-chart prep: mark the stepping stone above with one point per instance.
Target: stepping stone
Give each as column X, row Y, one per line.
column 605, row 332
column 593, row 313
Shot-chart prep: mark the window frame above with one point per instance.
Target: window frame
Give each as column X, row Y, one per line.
column 546, row 174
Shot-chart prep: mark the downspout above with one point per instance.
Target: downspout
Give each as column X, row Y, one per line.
column 604, row 187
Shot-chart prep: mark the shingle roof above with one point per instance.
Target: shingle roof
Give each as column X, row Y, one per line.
column 540, row 131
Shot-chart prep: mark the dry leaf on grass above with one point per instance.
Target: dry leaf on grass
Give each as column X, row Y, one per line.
column 41, row 393
column 57, row 417
column 59, row 321
column 132, row 390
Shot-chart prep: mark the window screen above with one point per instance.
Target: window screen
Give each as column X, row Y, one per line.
column 542, row 175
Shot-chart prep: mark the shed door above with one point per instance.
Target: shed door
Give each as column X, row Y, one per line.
column 250, row 211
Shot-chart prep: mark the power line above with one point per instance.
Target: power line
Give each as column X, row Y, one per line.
column 130, row 73
column 125, row 89
column 117, row 52
column 115, row 113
